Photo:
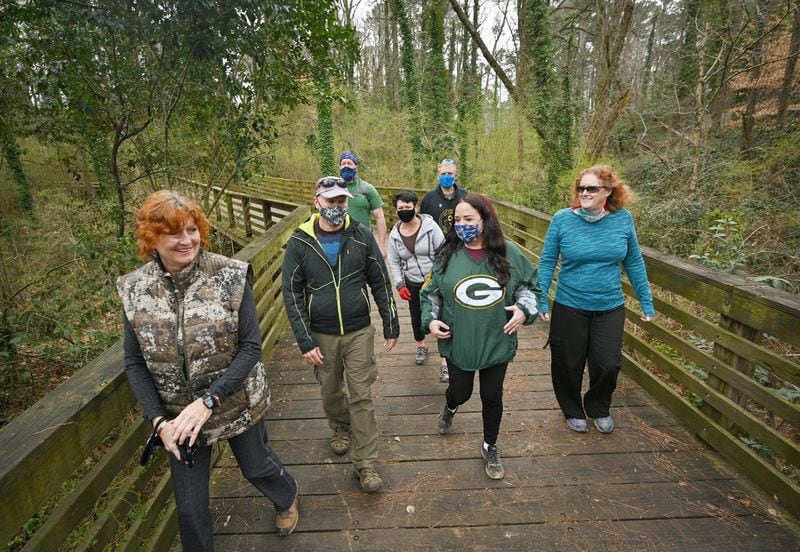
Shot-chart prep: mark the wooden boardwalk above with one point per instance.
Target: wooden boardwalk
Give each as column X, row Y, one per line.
column 650, row 485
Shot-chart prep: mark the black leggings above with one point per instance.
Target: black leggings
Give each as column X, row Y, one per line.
column 416, row 311
column 577, row 337
column 460, row 389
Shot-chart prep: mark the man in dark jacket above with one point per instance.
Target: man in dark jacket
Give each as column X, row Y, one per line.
column 329, row 261
column 440, row 203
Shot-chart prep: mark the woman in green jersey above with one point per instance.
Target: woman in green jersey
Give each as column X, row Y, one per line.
column 481, row 289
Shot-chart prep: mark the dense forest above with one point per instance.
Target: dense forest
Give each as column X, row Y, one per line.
column 696, row 102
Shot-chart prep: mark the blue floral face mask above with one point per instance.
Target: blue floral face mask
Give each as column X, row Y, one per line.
column 447, row 180
column 347, row 173
column 467, row 233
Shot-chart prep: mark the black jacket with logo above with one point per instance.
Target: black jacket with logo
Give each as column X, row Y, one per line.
column 327, row 300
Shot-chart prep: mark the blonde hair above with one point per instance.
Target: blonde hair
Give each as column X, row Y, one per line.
column 166, row 212
column 621, row 194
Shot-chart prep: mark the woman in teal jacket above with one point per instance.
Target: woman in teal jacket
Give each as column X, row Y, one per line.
column 481, row 289
column 595, row 239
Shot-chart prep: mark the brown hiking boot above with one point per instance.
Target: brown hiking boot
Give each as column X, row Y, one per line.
column 340, row 442
column 285, row 522
column 369, row 479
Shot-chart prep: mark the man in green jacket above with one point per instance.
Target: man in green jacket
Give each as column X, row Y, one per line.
column 329, row 262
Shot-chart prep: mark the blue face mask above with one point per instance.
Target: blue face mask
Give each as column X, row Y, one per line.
column 467, row 233
column 447, row 180
column 348, row 174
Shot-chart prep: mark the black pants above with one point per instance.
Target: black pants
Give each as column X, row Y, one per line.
column 259, row 464
column 416, row 311
column 578, row 336
column 459, row 390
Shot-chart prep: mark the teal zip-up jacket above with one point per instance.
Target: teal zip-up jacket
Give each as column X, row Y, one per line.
column 334, row 301
column 468, row 298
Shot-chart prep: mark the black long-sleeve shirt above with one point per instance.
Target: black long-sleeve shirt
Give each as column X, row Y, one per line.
column 144, row 387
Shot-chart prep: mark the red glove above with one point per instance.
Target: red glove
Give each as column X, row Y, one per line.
column 405, row 295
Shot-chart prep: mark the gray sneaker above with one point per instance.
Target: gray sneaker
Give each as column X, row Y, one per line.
column 444, row 377
column 494, row 466
column 446, row 419
column 604, row 424
column 577, row 424
column 422, row 354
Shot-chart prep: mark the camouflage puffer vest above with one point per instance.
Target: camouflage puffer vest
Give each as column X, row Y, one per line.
column 187, row 327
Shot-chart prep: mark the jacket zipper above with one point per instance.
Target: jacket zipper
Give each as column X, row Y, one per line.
column 181, row 338
column 335, row 284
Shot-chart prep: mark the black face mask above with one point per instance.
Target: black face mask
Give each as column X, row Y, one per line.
column 406, row 215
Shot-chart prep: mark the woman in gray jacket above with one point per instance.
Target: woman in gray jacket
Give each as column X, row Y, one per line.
column 412, row 248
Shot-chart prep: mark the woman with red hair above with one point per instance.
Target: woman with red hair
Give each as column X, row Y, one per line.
column 193, row 358
column 594, row 239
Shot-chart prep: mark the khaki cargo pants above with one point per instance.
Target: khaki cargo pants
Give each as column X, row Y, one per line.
column 346, row 378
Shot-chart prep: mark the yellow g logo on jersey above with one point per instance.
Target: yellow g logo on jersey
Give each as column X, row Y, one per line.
column 480, row 291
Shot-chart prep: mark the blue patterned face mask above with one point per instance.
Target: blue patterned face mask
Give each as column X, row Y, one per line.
column 347, row 173
column 333, row 215
column 468, row 233
column 447, row 180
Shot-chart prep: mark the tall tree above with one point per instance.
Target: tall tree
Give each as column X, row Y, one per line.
column 435, row 92
column 791, row 64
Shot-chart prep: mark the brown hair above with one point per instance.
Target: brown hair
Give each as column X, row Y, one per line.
column 165, row 212
column 621, row 193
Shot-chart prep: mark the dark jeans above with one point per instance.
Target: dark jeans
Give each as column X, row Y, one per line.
column 416, row 311
column 459, row 391
column 259, row 464
column 578, row 336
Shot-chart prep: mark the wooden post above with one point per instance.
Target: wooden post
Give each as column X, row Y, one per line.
column 266, row 207
column 217, row 201
column 740, row 363
column 231, row 216
column 248, row 226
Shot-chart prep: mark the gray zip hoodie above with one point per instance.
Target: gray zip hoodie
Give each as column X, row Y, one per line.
column 414, row 267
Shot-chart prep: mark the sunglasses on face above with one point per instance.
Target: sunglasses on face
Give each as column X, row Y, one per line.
column 330, row 182
column 590, row 189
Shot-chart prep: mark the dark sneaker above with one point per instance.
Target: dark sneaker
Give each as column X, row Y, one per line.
column 446, row 419
column 604, row 424
column 494, row 466
column 369, row 479
column 444, row 376
column 422, row 354
column 285, row 522
column 340, row 442
column 577, row 424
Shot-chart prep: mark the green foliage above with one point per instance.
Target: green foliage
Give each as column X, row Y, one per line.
column 724, row 246
column 410, row 85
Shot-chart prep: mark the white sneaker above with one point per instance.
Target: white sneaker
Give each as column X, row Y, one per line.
column 444, row 377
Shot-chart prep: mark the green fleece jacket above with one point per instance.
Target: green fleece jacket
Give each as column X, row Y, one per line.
column 468, row 298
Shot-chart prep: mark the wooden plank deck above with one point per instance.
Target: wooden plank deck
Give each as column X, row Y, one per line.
column 650, row 485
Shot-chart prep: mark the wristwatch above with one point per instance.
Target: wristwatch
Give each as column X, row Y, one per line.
column 210, row 401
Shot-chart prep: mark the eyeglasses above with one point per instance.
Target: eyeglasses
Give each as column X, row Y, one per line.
column 330, row 182
column 590, row 189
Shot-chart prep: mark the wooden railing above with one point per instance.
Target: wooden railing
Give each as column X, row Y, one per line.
column 717, row 357
column 44, row 451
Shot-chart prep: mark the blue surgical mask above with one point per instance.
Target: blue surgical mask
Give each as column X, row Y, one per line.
column 447, row 180
column 347, row 173
column 468, row 233
column 333, row 215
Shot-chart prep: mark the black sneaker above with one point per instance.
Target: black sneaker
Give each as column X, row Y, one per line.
column 445, row 419
column 494, row 466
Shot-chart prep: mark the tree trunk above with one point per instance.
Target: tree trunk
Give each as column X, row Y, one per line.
column 648, row 62
column 395, row 64
column 610, row 45
column 748, row 117
column 12, row 155
column 791, row 63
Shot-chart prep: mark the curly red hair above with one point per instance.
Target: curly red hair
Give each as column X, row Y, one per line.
column 621, row 193
column 165, row 212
